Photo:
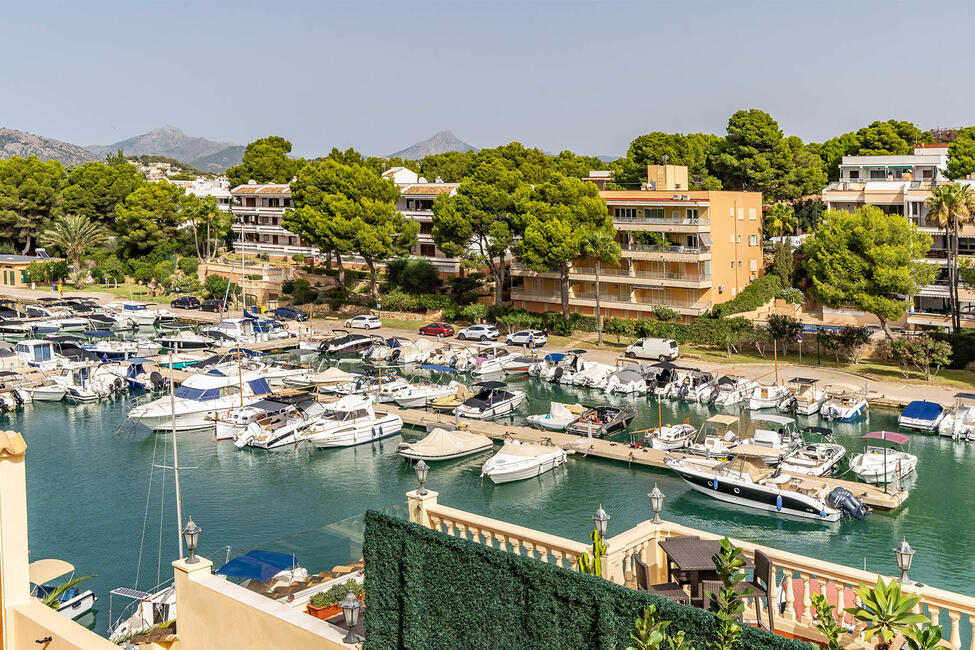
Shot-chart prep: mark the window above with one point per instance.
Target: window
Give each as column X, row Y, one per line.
column 752, row 214
column 732, row 265
column 675, row 214
column 915, row 209
column 753, row 266
column 734, row 291
column 739, row 239
column 878, row 174
column 739, row 264
column 854, row 175
column 741, row 214
column 692, row 241
column 731, row 238
column 753, row 240
column 428, row 250
column 624, row 213
column 692, row 214
column 653, row 213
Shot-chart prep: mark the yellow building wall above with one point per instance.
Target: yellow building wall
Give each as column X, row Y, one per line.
column 736, row 217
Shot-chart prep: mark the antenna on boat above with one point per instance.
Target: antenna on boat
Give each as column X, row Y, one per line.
column 179, row 494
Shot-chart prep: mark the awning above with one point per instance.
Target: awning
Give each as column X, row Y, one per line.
column 43, row 571
column 705, row 238
column 896, row 438
column 258, row 565
column 755, row 451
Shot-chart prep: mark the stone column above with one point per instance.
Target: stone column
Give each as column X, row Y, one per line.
column 418, row 504
column 14, row 577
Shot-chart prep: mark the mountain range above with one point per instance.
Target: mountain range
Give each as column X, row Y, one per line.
column 169, row 141
column 440, row 142
column 21, row 143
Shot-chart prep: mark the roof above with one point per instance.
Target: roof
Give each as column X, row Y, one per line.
column 430, row 188
column 896, row 438
column 19, row 259
column 44, row 571
column 266, row 188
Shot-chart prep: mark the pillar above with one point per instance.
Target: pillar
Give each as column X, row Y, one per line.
column 418, row 504
column 14, row 576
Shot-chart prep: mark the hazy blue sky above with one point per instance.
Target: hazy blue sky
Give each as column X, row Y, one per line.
column 587, row 76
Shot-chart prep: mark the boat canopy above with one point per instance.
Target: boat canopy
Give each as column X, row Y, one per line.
column 441, row 442
column 774, row 419
column 921, row 410
column 756, row 450
column 97, row 333
column 258, row 565
column 491, row 385
column 896, row 438
column 437, row 368
column 135, row 361
column 803, row 381
column 965, row 396
column 823, row 431
column 723, row 419
column 554, row 356
column 43, row 571
column 349, row 403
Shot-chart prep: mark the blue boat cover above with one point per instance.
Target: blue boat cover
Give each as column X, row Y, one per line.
column 136, row 360
column 921, row 410
column 554, row 356
column 97, row 333
column 245, row 352
column 438, row 368
column 258, row 565
column 259, row 386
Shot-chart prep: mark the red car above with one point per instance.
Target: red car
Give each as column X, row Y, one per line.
column 433, row 329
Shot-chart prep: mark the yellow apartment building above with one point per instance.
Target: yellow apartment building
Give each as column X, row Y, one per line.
column 683, row 249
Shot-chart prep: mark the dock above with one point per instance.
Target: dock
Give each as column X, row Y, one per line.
column 872, row 495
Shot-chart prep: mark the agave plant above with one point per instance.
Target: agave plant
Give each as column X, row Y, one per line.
column 52, row 598
column 886, row 610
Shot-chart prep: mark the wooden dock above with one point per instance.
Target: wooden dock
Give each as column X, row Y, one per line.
column 872, row 495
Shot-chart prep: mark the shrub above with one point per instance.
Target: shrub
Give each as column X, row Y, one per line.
column 413, row 275
column 163, row 271
column 189, row 264
column 188, row 283
column 619, row 327
column 215, row 286
column 141, row 271
column 112, row 267
column 920, row 351
column 38, row 271
column 474, row 313
column 962, row 347
column 288, row 286
column 784, row 329
column 463, row 289
column 754, row 296
column 662, row 312
column 792, row 296
column 302, row 292
column 398, row 301
column 57, row 270
column 434, row 302
column 582, row 323
column 298, row 257
column 254, row 276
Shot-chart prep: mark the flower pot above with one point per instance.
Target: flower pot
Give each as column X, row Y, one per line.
column 326, row 612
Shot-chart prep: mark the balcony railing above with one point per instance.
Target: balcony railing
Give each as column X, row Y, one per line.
column 651, row 248
column 664, row 221
column 606, row 298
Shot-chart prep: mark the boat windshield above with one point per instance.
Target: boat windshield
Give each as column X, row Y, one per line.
column 204, row 395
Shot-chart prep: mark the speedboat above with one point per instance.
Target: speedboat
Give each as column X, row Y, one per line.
column 448, row 403
column 377, row 382
column 420, row 395
column 347, row 345
column 120, row 350
column 959, row 423
column 766, row 397
column 37, row 354
column 319, row 378
column 558, row 417
column 747, row 481
column 627, row 381
column 716, row 438
column 77, row 379
column 231, row 423
column 196, row 397
column 559, row 368
column 351, row 421
column 694, row 384
column 670, row 436
column 491, row 358
column 443, row 444
column 184, row 340
column 921, row 416
column 140, row 313
column 805, row 398
column 517, row 460
column 845, row 408
column 71, row 602
column 593, row 375
column 880, row 463
column 520, row 364
column 730, row 390
column 238, row 330
column 819, row 458
column 775, row 432
column 285, row 430
column 601, row 421
column 492, row 400
column 49, row 391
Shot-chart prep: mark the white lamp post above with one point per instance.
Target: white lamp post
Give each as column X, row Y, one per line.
column 191, row 537
column 421, row 475
column 904, row 554
column 656, row 503
column 350, row 608
column 601, row 519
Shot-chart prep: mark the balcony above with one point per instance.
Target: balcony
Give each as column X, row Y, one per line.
column 630, row 276
column 699, row 224
column 254, row 210
column 686, row 307
column 260, row 228
column 273, row 249
column 667, row 253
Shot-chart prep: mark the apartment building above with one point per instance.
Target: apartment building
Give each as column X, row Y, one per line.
column 902, row 185
column 687, row 250
column 216, row 188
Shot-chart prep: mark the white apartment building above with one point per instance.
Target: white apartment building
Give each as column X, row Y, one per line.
column 217, row 188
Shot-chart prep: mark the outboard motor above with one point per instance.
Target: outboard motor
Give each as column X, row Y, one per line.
column 842, row 499
column 394, row 355
column 557, row 375
column 683, row 390
column 156, row 380
column 323, row 347
column 453, row 361
column 651, row 385
column 793, row 406
column 714, row 396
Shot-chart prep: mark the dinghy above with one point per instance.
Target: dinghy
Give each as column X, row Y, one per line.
column 601, row 421
column 670, row 436
column 518, row 460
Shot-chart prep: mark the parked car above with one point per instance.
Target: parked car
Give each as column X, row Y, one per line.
column 437, row 329
column 185, row 302
column 365, row 322
column 650, row 348
column 289, row 313
column 212, row 305
column 527, row 337
column 482, row 332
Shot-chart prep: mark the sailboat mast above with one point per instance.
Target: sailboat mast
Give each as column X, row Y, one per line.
column 179, row 494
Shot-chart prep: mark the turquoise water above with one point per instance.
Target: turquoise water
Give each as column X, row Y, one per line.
column 87, row 496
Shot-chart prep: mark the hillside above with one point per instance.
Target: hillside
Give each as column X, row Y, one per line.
column 441, row 142
column 21, row 143
column 172, row 142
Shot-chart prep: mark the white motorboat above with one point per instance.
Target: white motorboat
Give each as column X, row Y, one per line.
column 670, row 436
column 747, row 481
column 959, row 423
column 517, row 460
column 558, row 367
column 921, row 416
column 231, row 423
column 491, row 358
column 37, row 354
column 593, row 375
column 443, row 444
column 716, row 438
column 491, row 401
column 140, row 313
column 730, row 390
column 71, row 602
column 880, row 463
column 845, row 408
column 683, row 385
column 766, row 397
column 399, row 349
column 346, row 345
column 775, row 432
column 119, row 350
column 628, row 380
column 820, row 458
column 448, row 403
column 76, row 379
column 283, row 431
column 238, row 330
column 693, row 385
column 518, row 364
column 381, row 384
column 49, row 391
column 320, row 378
column 420, row 395
column 601, row 421
column 199, row 395
column 352, row 421
column 186, row 340
column 805, row 399
column 558, row 417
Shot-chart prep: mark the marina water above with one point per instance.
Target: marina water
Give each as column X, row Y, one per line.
column 89, row 496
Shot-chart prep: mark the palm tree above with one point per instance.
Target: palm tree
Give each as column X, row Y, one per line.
column 952, row 205
column 781, row 218
column 73, row 234
column 601, row 245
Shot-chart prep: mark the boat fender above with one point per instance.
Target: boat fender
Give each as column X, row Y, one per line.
column 714, row 396
column 714, row 483
column 395, row 355
column 118, row 383
column 557, row 375
column 380, row 431
column 778, row 503
column 822, row 513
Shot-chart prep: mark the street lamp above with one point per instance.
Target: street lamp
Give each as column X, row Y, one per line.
column 656, row 503
column 421, row 475
column 904, row 554
column 601, row 519
column 191, row 536
column 350, row 608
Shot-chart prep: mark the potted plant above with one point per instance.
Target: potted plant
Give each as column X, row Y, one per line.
column 325, row 604
column 318, row 605
column 886, row 610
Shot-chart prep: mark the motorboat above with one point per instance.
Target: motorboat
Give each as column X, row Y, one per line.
column 775, row 432
column 444, row 444
column 370, row 381
column 660, row 379
column 767, row 397
column 694, row 384
column 49, row 391
column 283, row 431
column 111, row 321
column 491, row 401
column 197, row 396
column 805, row 398
column 352, row 421
column 747, row 481
column 921, row 416
column 37, row 353
column 420, row 395
column 399, row 349
column 880, row 463
column 601, row 421
column 730, row 390
column 628, row 380
column 238, row 330
column 448, row 403
column 186, row 340
column 845, row 408
column 670, row 436
column 517, row 364
column 140, row 313
column 232, row 422
column 71, row 602
column 959, row 423
column 593, row 375
column 716, row 437
column 77, row 379
column 818, row 458
column 121, row 350
column 559, row 368
column 347, row 345
column 317, row 378
column 490, row 358
column 559, row 416
column 684, row 383
column 518, row 460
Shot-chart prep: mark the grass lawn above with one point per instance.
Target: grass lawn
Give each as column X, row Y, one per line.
column 126, row 291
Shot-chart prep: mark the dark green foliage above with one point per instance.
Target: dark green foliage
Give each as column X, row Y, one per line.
column 189, row 264
column 784, row 263
column 784, row 329
column 303, row 292
column 664, row 313
column 826, row 621
column 428, row 590
column 728, row 604
column 808, row 214
column 791, row 296
column 962, row 347
column 215, row 287
column 754, row 296
column 413, row 275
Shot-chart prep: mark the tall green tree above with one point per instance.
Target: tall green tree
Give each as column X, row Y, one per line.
column 30, row 195
column 868, row 260
column 658, row 148
column 555, row 217
column 477, row 224
column 94, row 189
column 601, row 245
column 952, row 205
column 73, row 234
column 780, row 218
column 148, row 217
column 266, row 161
column 961, row 154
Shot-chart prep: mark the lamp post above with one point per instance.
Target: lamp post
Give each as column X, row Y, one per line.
column 904, row 554
column 656, row 503
column 350, row 608
column 421, row 475
column 601, row 519
column 191, row 536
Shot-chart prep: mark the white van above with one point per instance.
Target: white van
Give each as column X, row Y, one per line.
column 662, row 349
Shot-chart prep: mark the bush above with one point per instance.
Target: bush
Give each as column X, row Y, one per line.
column 920, row 351
column 57, row 270
column 298, row 257
column 302, row 292
column 792, row 296
column 162, row 272
column 434, row 302
column 215, row 286
column 112, row 267
column 962, row 347
column 398, row 301
column 38, row 271
column 463, row 291
column 413, row 275
column 474, row 313
column 141, row 271
column 664, row 313
column 189, row 264
column 288, row 286
column 754, row 296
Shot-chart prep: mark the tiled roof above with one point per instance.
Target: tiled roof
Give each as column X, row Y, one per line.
column 431, row 188
column 268, row 188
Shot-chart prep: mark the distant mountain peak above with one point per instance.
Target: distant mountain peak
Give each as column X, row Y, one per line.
column 439, row 142
column 21, row 143
column 172, row 142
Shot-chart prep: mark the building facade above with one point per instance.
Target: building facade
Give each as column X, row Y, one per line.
column 687, row 250
column 216, row 188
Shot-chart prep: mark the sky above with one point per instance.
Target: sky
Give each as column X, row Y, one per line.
column 379, row 76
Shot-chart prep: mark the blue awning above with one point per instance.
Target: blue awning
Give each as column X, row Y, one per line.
column 554, row 356
column 258, row 565
column 921, row 410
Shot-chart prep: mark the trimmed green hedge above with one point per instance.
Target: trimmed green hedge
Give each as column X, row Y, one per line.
column 429, row 590
column 754, row 296
column 962, row 347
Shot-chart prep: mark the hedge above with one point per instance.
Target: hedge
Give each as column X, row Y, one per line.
column 428, row 590
column 751, row 298
column 962, row 347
